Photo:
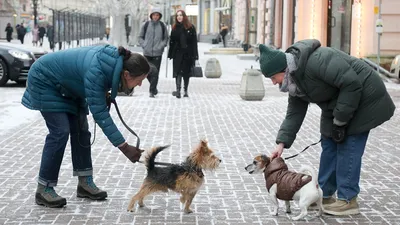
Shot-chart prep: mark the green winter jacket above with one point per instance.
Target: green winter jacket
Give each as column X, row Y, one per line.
column 343, row 86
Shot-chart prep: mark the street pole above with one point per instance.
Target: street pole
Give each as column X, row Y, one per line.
column 35, row 2
column 169, row 25
column 379, row 38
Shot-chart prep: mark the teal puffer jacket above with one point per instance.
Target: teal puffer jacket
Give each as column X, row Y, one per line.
column 343, row 86
column 72, row 80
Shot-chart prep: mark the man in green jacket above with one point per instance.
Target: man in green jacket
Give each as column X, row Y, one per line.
column 353, row 100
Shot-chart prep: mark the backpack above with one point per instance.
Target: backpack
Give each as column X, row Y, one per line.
column 163, row 27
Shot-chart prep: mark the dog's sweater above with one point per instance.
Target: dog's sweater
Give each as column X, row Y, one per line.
column 287, row 182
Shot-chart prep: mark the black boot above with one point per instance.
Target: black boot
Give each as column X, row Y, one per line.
column 178, row 81
column 186, row 85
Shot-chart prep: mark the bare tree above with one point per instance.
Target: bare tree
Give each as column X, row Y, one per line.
column 117, row 9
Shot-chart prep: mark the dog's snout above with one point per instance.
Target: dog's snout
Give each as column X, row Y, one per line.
column 220, row 160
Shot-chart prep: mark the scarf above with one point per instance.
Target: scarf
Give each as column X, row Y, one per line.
column 288, row 84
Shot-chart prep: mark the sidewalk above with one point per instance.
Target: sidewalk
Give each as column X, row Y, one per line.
column 236, row 129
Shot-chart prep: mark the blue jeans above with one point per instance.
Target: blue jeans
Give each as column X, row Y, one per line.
column 340, row 166
column 61, row 125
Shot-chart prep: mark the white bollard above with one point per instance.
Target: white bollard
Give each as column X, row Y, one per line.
column 213, row 68
column 252, row 85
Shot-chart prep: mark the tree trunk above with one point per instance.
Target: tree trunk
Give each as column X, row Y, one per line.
column 118, row 33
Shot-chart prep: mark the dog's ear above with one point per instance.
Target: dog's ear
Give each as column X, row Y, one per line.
column 203, row 143
column 265, row 159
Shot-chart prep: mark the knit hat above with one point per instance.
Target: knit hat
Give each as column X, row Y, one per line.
column 271, row 61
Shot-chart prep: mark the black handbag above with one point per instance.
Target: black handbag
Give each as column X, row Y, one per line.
column 197, row 71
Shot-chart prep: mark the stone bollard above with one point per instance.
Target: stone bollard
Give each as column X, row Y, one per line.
column 252, row 85
column 213, row 68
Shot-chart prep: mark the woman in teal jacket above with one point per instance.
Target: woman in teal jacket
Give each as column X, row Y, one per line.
column 64, row 86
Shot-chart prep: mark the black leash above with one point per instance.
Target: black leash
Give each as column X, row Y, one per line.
column 133, row 132
column 123, row 122
column 303, row 150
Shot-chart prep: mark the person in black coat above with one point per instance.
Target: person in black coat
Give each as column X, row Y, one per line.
column 183, row 51
column 9, row 30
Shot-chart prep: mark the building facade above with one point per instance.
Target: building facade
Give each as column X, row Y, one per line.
column 212, row 13
column 349, row 25
column 14, row 12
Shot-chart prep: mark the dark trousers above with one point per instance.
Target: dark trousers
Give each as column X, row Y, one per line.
column 178, row 82
column 21, row 38
column 223, row 40
column 9, row 38
column 153, row 78
column 51, row 43
column 61, row 125
column 41, row 41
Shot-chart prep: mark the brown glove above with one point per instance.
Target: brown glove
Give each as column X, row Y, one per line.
column 131, row 152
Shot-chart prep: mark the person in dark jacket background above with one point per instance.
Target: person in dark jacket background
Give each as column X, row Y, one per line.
column 21, row 31
column 9, row 30
column 50, row 36
column 42, row 32
column 153, row 38
column 64, row 86
column 183, row 51
column 353, row 100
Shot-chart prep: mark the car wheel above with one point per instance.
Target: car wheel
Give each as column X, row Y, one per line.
column 3, row 73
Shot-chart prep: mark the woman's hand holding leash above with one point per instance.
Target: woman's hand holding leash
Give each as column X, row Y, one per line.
column 131, row 152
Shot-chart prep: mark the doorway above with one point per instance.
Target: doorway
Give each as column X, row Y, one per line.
column 339, row 24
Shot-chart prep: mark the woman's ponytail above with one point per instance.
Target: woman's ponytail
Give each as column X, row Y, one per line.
column 124, row 52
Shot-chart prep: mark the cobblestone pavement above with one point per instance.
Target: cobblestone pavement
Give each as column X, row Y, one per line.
column 236, row 129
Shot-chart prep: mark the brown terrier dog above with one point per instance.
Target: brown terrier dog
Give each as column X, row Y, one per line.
column 185, row 178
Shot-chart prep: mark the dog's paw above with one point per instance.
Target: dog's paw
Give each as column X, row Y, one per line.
column 131, row 210
column 188, row 211
column 295, row 218
column 273, row 213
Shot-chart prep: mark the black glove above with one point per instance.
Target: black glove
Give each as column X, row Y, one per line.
column 338, row 133
column 132, row 153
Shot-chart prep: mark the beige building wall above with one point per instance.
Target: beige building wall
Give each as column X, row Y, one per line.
column 311, row 22
column 240, row 22
column 390, row 39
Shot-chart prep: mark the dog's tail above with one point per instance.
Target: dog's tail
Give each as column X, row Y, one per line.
column 151, row 156
column 309, row 170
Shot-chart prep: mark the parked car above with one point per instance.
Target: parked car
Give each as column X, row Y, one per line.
column 395, row 67
column 16, row 60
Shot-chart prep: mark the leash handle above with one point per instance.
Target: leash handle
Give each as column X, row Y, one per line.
column 123, row 122
column 303, row 150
